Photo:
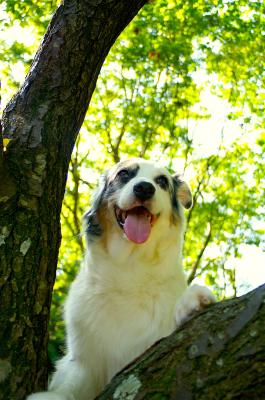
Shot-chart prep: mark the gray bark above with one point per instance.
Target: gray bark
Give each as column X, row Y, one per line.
column 217, row 355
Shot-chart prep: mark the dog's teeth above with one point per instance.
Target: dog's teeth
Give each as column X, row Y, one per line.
column 123, row 216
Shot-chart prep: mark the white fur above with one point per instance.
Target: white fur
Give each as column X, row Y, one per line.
column 125, row 297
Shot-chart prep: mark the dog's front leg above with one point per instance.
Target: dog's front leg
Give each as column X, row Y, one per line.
column 194, row 299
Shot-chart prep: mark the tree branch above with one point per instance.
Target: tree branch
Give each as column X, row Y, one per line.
column 218, row 355
column 198, row 259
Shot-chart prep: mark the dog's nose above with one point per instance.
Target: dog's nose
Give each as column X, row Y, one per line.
column 144, row 190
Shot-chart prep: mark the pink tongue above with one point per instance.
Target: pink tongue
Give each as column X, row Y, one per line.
column 137, row 227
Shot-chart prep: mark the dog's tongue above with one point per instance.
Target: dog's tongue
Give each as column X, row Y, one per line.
column 137, row 226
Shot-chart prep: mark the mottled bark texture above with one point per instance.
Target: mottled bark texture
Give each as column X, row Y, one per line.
column 217, row 355
column 42, row 122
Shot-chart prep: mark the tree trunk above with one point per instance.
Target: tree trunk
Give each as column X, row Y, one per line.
column 218, row 355
column 42, row 122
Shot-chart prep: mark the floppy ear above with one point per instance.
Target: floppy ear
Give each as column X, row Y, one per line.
column 183, row 192
column 91, row 223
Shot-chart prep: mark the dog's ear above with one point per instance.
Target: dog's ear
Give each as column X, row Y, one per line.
column 183, row 192
column 91, row 223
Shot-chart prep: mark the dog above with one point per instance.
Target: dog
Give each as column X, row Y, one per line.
column 131, row 290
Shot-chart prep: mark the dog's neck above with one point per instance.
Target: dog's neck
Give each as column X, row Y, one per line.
column 161, row 252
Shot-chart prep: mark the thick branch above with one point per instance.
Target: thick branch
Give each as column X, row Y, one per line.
column 64, row 72
column 218, row 355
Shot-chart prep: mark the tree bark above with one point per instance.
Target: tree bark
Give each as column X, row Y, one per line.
column 42, row 122
column 217, row 355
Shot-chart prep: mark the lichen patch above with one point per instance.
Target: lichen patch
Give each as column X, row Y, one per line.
column 25, row 246
column 128, row 389
column 4, row 234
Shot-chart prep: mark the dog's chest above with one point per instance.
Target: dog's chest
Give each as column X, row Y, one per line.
column 117, row 316
column 133, row 309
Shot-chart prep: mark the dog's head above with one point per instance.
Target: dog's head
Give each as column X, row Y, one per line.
column 135, row 198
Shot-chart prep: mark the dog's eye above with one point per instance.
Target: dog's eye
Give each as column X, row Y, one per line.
column 162, row 181
column 124, row 175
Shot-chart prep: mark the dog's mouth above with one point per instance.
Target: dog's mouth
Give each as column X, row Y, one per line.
column 136, row 223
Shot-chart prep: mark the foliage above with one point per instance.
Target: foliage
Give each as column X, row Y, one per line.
column 147, row 102
column 23, row 25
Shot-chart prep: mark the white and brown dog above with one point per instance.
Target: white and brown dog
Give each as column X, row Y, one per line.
column 131, row 290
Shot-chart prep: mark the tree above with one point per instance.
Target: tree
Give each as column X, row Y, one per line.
column 217, row 355
column 41, row 124
column 146, row 100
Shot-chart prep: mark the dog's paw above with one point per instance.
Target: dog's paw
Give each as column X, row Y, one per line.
column 194, row 299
